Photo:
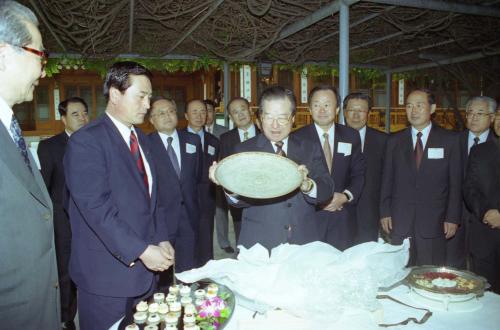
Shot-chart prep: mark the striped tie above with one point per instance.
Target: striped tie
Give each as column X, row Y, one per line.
column 15, row 130
column 136, row 153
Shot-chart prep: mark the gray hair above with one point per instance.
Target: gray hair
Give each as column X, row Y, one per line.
column 492, row 104
column 13, row 19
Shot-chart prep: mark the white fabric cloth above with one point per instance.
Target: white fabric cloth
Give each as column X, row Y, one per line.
column 313, row 281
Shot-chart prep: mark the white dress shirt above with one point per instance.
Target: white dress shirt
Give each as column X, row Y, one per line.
column 125, row 132
column 250, row 130
column 200, row 133
column 362, row 135
column 482, row 138
column 176, row 144
column 425, row 135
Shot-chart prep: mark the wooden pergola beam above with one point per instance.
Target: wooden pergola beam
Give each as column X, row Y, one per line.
column 131, row 26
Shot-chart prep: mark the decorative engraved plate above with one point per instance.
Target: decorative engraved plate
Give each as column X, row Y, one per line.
column 258, row 175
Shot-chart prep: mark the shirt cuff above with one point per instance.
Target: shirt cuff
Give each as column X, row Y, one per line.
column 232, row 197
column 313, row 193
column 351, row 196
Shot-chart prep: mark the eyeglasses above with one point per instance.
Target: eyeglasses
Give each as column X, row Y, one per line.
column 479, row 115
column 163, row 113
column 281, row 120
column 41, row 53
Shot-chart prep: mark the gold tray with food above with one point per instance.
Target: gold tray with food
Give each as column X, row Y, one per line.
column 446, row 280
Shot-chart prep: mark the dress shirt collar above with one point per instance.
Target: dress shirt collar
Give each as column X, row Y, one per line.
column 331, row 134
column 210, row 128
column 124, row 130
column 425, row 134
column 285, row 145
column 250, row 130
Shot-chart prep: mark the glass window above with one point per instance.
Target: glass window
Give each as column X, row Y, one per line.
column 42, row 103
column 379, row 98
column 285, row 79
column 86, row 94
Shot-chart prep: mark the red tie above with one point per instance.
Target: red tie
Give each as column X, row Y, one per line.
column 136, row 153
column 419, row 150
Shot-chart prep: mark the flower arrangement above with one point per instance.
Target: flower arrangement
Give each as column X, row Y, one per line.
column 213, row 313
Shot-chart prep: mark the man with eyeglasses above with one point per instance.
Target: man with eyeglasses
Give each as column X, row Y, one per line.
column 196, row 115
column 29, row 294
column 178, row 157
column 74, row 115
column 482, row 197
column 479, row 115
column 357, row 107
column 245, row 129
column 421, row 183
column 289, row 218
column 346, row 164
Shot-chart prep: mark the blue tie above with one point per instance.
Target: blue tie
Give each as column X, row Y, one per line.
column 172, row 156
column 15, row 130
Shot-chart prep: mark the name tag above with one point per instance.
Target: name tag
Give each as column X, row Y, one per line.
column 190, row 148
column 344, row 148
column 435, row 153
column 211, row 150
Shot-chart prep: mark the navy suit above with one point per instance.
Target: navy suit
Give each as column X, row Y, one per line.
column 289, row 218
column 482, row 193
column 456, row 247
column 348, row 172
column 206, row 195
column 179, row 195
column 51, row 153
column 420, row 201
column 113, row 220
column 368, row 207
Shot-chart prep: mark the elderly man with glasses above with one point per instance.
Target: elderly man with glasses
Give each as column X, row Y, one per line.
column 29, row 295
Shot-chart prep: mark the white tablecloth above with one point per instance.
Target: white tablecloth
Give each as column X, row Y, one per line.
column 488, row 317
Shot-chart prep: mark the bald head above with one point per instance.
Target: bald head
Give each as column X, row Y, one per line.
column 196, row 114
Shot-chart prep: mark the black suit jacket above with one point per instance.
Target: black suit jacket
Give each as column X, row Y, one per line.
column 367, row 213
column 179, row 195
column 429, row 196
column 229, row 140
column 348, row 172
column 482, row 193
column 288, row 218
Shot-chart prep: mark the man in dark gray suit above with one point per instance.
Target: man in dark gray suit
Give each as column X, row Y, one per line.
column 421, row 183
column 480, row 113
column 289, row 218
column 29, row 295
column 357, row 108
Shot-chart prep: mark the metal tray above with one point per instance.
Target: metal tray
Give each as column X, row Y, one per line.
column 479, row 283
column 258, row 175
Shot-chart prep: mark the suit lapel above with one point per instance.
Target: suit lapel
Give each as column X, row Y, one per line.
column 124, row 151
column 264, row 144
column 147, row 154
column 182, row 146
column 408, row 150
column 12, row 158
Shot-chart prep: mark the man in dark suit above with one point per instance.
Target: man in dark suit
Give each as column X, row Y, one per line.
column 221, row 209
column 239, row 111
column 357, row 107
column 178, row 158
column 342, row 156
column 74, row 115
column 289, row 218
column 196, row 114
column 482, row 196
column 421, row 183
column 480, row 113
column 29, row 298
column 120, row 236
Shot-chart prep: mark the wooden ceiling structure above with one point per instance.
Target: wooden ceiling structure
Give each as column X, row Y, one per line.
column 387, row 34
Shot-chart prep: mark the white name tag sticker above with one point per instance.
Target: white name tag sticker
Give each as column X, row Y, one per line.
column 344, row 148
column 211, row 150
column 190, row 148
column 435, row 153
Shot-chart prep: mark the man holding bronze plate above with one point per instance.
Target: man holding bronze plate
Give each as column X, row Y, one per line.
column 289, row 218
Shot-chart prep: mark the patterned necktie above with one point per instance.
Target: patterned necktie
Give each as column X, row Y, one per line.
column 328, row 152
column 419, row 150
column 245, row 136
column 476, row 141
column 173, row 156
column 279, row 148
column 15, row 130
column 136, row 153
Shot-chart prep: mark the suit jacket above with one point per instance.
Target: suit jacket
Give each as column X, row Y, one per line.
column 29, row 298
column 218, row 130
column 112, row 216
column 289, row 218
column 367, row 211
column 179, row 195
column 482, row 193
column 427, row 197
column 206, row 188
column 348, row 172
column 229, row 140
